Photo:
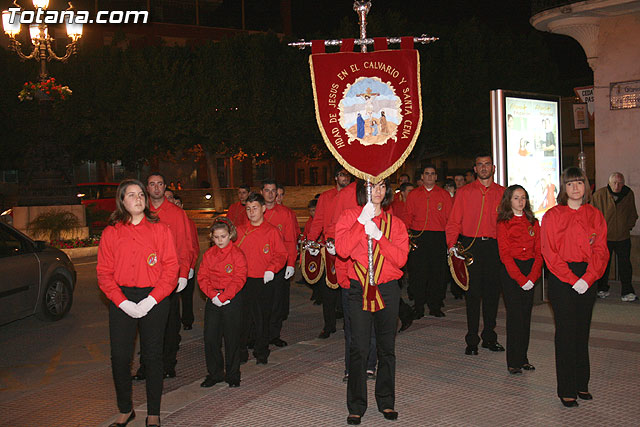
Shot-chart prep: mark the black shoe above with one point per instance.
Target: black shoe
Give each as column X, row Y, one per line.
column 339, row 315
column 209, row 382
column 371, row 375
column 436, row 313
column 585, row 395
column 244, row 357
column 405, row 324
column 494, row 346
column 471, row 350
column 251, row 344
column 187, row 327
column 170, row 373
column 354, row 420
column 278, row 342
column 234, row 384
column 146, row 423
column 528, row 367
column 514, row 371
column 261, row 360
column 345, row 378
column 390, row 415
column 325, row 334
column 418, row 315
column 569, row 403
column 132, row 415
column 139, row 376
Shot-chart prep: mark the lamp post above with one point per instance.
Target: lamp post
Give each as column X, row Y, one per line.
column 46, row 168
column 40, row 37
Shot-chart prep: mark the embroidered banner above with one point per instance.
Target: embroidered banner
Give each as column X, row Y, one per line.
column 368, row 108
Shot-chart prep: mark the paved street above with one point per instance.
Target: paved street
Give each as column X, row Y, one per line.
column 58, row 374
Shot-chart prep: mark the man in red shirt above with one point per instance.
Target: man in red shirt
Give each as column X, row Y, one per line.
column 399, row 204
column 427, row 211
column 319, row 231
column 237, row 212
column 186, row 296
column 266, row 254
column 473, row 223
column 284, row 219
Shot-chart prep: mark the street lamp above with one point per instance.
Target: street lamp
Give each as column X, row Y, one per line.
column 40, row 38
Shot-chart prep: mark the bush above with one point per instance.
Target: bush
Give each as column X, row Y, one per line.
column 52, row 223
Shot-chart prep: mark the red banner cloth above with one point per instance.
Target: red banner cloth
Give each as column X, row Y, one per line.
column 368, row 108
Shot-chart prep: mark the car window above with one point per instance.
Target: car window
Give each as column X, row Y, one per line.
column 10, row 244
column 109, row 191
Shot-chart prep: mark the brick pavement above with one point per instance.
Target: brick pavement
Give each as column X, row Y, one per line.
column 436, row 384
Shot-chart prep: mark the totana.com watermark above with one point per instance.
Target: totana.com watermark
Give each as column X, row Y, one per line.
column 42, row 16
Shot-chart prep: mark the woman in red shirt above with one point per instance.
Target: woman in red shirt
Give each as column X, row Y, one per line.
column 137, row 269
column 222, row 274
column 377, row 304
column 518, row 235
column 574, row 247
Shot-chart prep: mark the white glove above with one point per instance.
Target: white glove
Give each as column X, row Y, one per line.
column 454, row 250
column 367, row 214
column 131, row 308
column 289, row 272
column 182, row 283
column 226, row 302
column 372, row 230
column 146, row 305
column 216, row 301
column 331, row 248
column 313, row 252
column 191, row 273
column 527, row 285
column 268, row 276
column 580, row 286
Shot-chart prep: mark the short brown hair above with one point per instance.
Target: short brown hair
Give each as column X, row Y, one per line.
column 572, row 174
column 223, row 223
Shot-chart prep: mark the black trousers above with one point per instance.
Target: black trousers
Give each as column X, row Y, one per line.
column 257, row 300
column 223, row 322
column 623, row 253
column 186, row 297
column 329, row 304
column 172, row 336
column 384, row 323
column 519, row 304
column 426, row 266
column 484, row 287
column 572, row 313
column 280, row 307
column 122, row 335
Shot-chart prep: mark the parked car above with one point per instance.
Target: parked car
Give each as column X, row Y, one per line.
column 34, row 278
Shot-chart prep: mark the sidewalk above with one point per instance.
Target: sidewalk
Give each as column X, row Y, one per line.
column 436, row 384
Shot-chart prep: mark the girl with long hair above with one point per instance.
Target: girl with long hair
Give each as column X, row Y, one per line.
column 518, row 234
column 137, row 269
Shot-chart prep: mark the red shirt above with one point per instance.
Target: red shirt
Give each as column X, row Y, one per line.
column 575, row 235
column 324, row 213
column 437, row 202
column 351, row 242
column 346, row 199
column 141, row 256
column 465, row 214
column 195, row 243
column 263, row 248
column 284, row 219
column 237, row 213
column 222, row 271
column 518, row 239
column 399, row 206
column 307, row 226
column 178, row 223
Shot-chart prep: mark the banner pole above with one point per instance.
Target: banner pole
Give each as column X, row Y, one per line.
column 362, row 9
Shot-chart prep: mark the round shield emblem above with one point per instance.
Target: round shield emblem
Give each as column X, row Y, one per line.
column 313, row 267
column 592, row 240
column 265, row 249
column 152, row 259
column 531, row 231
column 228, row 268
column 440, row 206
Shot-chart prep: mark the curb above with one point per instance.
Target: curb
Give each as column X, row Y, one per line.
column 81, row 252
